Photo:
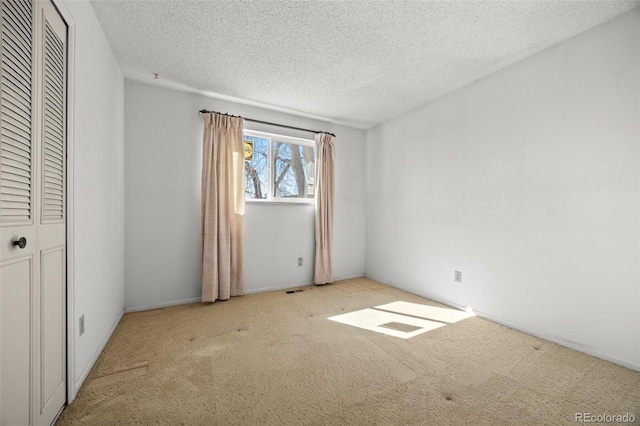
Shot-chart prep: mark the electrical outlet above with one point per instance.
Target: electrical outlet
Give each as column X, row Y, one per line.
column 81, row 325
column 299, row 261
column 457, row 277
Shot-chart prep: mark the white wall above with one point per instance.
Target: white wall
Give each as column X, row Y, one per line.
column 97, row 204
column 163, row 163
column 527, row 181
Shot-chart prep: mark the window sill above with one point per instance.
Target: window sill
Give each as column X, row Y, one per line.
column 311, row 202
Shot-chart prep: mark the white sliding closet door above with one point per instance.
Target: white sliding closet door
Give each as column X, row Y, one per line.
column 32, row 213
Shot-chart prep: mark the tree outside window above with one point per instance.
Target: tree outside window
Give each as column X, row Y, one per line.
column 281, row 169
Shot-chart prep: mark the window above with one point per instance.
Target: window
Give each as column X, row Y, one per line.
column 279, row 168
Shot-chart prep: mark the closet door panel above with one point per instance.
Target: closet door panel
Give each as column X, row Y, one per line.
column 32, row 212
column 16, row 144
column 15, row 295
column 18, row 263
column 52, row 359
column 51, row 169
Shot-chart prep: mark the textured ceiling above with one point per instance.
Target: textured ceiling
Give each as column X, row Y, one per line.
column 357, row 63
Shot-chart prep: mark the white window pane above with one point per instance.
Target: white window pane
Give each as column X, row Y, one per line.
column 294, row 170
column 256, row 171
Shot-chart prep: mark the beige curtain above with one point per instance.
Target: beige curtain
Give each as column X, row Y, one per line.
column 325, row 158
column 222, row 208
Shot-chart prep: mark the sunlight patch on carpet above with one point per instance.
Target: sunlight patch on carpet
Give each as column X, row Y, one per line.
column 448, row 315
column 378, row 321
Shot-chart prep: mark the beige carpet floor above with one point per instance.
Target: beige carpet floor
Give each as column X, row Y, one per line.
column 274, row 359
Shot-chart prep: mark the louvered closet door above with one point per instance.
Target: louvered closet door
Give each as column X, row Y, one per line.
column 17, row 215
column 32, row 213
column 50, row 367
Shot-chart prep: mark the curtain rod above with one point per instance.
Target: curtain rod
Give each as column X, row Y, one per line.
column 204, row 111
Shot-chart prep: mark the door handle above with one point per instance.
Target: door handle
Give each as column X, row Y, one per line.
column 22, row 242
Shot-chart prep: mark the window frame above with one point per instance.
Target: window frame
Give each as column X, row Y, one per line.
column 274, row 137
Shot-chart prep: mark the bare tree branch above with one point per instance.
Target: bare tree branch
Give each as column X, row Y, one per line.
column 256, row 180
column 298, row 169
column 282, row 175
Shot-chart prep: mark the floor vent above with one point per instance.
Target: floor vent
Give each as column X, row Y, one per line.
column 300, row 290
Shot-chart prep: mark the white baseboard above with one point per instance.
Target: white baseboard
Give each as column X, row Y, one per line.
column 349, row 277
column 250, row 291
column 288, row 286
column 546, row 336
column 276, row 288
column 162, row 305
column 94, row 358
column 559, row 340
